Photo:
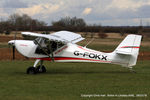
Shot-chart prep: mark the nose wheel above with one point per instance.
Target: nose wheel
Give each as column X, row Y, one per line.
column 39, row 69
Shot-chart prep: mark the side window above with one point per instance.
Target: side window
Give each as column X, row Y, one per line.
column 53, row 46
column 60, row 44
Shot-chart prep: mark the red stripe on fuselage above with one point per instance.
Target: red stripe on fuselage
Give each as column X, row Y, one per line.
column 129, row 47
column 70, row 58
column 87, row 49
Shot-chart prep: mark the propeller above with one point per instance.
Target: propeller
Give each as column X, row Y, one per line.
column 14, row 47
column 12, row 43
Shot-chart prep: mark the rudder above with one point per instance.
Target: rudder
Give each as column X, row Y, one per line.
column 126, row 53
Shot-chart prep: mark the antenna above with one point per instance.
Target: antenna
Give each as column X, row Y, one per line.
column 89, row 42
column 141, row 22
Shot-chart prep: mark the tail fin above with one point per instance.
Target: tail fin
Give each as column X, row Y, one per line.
column 127, row 52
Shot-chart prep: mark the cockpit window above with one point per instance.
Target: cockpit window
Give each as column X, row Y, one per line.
column 60, row 44
column 45, row 46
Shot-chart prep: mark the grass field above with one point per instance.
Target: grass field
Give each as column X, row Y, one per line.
column 72, row 81
column 68, row 81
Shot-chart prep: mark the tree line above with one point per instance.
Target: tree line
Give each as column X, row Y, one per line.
column 16, row 22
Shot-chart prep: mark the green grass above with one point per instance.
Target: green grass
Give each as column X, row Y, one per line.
column 67, row 81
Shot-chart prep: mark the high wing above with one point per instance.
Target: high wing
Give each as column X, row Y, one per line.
column 63, row 36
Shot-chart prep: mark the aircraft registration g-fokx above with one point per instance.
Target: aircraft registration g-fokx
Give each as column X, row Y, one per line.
column 61, row 47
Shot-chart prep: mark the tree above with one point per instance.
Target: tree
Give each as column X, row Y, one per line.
column 70, row 23
column 5, row 27
column 25, row 22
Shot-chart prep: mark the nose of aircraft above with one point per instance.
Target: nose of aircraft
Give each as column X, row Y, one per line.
column 12, row 42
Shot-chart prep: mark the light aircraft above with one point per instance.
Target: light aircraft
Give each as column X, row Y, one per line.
column 61, row 47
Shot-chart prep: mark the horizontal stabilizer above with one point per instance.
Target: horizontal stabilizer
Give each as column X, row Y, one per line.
column 124, row 53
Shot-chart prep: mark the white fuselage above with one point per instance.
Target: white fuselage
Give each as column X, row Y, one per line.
column 67, row 53
column 125, row 54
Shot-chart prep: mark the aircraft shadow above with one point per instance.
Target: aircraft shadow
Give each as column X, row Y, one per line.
column 86, row 72
column 62, row 71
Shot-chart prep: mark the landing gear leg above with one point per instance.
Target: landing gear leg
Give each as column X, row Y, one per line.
column 39, row 69
column 131, row 70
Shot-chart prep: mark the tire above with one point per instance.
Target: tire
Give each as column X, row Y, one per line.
column 31, row 70
column 38, row 69
column 42, row 70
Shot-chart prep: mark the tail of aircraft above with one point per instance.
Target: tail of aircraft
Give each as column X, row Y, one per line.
column 127, row 52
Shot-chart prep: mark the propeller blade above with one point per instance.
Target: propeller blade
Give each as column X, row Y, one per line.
column 14, row 46
column 13, row 52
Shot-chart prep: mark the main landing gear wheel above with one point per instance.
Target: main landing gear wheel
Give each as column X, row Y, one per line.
column 37, row 69
column 40, row 69
column 31, row 70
